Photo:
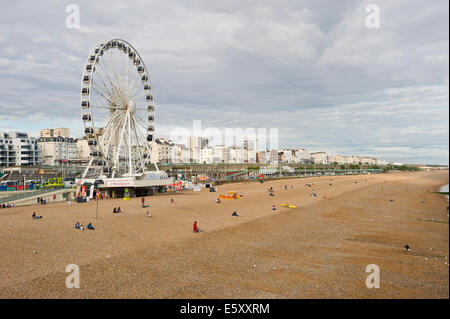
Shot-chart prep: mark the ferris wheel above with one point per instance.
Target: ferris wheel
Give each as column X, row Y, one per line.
column 118, row 111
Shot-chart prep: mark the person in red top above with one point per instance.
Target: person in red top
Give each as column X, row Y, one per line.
column 196, row 229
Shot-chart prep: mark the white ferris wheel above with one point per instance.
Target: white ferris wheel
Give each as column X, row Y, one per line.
column 118, row 111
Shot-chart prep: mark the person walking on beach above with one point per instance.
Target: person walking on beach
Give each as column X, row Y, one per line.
column 143, row 202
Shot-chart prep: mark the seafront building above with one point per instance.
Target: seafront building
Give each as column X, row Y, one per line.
column 18, row 149
column 57, row 150
column 54, row 132
column 55, row 147
column 319, row 158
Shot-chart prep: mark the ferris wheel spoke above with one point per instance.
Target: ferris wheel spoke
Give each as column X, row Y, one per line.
column 105, row 107
column 141, row 157
column 108, row 99
column 137, row 97
column 114, row 88
column 117, row 155
column 141, row 122
column 102, row 80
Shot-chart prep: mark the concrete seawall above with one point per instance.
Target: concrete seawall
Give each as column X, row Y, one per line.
column 56, row 196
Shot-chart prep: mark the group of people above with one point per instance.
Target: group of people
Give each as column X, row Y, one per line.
column 6, row 205
column 117, row 210
column 40, row 200
column 81, row 227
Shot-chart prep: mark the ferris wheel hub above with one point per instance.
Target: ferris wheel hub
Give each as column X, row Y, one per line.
column 132, row 107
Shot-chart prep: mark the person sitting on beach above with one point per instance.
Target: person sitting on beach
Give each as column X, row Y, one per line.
column 119, row 210
column 271, row 194
column 114, row 210
column 34, row 216
column 77, row 225
column 81, row 227
column 89, row 226
column 196, row 228
column 234, row 214
column 273, row 207
column 218, row 201
column 148, row 214
column 172, row 201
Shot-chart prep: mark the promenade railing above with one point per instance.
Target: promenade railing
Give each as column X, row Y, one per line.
column 26, row 194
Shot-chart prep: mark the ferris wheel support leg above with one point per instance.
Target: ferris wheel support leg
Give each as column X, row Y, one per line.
column 130, row 168
column 117, row 159
column 87, row 168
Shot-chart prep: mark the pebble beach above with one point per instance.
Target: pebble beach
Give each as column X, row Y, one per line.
column 319, row 249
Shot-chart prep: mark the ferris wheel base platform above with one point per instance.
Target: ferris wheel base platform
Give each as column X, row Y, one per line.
column 126, row 182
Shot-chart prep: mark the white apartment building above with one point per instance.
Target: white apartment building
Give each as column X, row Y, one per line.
column 206, row 155
column 161, row 151
column 18, row 149
column 195, row 145
column 337, row 159
column 56, row 150
column 267, row 156
column 250, row 147
column 219, row 152
column 368, row 161
column 287, row 156
column 180, row 154
column 319, row 158
column 303, row 156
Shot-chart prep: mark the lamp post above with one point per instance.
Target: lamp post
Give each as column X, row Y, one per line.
column 96, row 200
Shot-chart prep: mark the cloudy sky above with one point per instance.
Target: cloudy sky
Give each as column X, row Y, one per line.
column 312, row 69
